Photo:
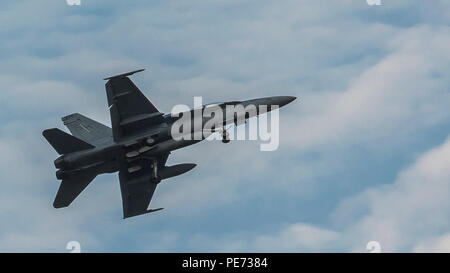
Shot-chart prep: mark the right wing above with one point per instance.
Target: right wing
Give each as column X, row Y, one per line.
column 138, row 187
column 130, row 110
column 86, row 129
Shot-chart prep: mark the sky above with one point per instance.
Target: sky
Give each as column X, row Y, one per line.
column 364, row 151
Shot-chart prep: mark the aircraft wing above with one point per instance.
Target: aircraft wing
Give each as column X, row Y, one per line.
column 130, row 110
column 138, row 187
column 87, row 129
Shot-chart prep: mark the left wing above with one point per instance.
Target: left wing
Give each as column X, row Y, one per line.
column 137, row 187
column 130, row 110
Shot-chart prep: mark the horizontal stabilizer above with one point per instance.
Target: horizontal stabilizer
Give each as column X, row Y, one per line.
column 71, row 188
column 64, row 143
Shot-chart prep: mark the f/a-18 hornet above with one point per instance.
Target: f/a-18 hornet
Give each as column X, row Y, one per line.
column 137, row 145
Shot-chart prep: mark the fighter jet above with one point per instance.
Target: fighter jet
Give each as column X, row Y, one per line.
column 137, row 145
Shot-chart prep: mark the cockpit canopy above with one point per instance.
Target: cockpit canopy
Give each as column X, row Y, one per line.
column 213, row 104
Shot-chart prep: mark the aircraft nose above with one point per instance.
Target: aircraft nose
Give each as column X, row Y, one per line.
column 283, row 100
column 280, row 101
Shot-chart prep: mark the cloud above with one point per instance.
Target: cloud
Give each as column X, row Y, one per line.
column 404, row 213
column 290, row 238
column 407, row 215
column 438, row 244
column 296, row 237
column 405, row 92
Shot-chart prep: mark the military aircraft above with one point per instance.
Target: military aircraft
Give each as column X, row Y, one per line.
column 137, row 145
